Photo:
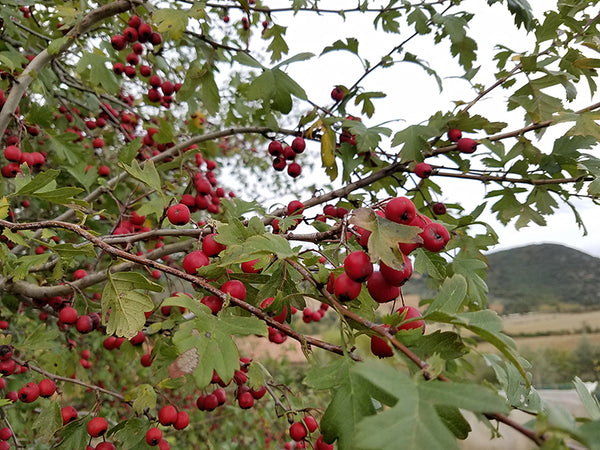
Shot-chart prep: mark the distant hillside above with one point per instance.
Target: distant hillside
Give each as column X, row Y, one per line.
column 527, row 278
column 546, row 277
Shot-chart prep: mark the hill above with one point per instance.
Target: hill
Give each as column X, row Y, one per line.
column 546, row 275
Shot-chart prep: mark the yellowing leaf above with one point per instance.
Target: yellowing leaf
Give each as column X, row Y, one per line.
column 4, row 206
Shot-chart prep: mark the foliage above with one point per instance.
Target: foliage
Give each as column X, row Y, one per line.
column 120, row 109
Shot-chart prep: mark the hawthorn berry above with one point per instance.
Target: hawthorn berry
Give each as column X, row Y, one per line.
column 278, row 164
column 337, row 94
column 246, row 400
column 104, row 171
column 298, row 431
column 118, row 42
column 178, row 214
column 358, row 266
column 47, row 388
column 235, row 288
column 454, row 134
column 146, row 360
column 194, row 260
column 84, row 324
column 211, row 247
column 294, row 170
column 298, row 144
column 68, row 315
column 105, row 445
column 439, row 209
column 410, row 312
column 153, row 436
column 380, row 348
column 12, row 153
column 167, row 415
column 5, row 433
column 183, row 420
column 97, row 426
column 400, row 210
column 311, row 423
column 345, row 288
column 79, row 274
column 275, row 148
column 435, row 237
column 29, row 393
column 381, row 290
column 466, row 145
column 248, row 266
column 423, row 170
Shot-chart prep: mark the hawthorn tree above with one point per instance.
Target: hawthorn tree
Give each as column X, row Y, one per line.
column 130, row 271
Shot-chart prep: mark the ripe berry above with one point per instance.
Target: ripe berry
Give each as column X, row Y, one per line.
column 47, row 388
column 144, row 32
column 213, row 302
column 106, row 446
column 194, row 260
column 5, row 433
column 345, row 288
column 235, row 288
column 439, row 209
column 6, row 352
column 138, row 338
column 396, row 277
column 97, row 426
column 423, row 170
column 298, row 144
column 466, row 145
column 12, row 153
column 298, row 431
column 10, row 170
column 130, row 34
column 411, row 313
column 288, row 153
column 29, row 393
column 248, row 266
column 380, row 290
column 294, row 170
column 155, row 38
column 358, row 266
column 68, row 315
column 278, row 164
column 211, row 247
column 104, row 171
column 400, row 210
column 246, row 400
column 153, row 436
column 380, row 348
column 134, row 21
column 435, row 237
column 84, row 324
column 337, row 94
column 311, row 423
column 79, row 274
column 178, row 214
column 69, row 414
column 320, row 444
column 294, row 206
column 167, row 415
column 454, row 134
column 183, row 420
column 118, row 42
column 146, row 360
column 275, row 148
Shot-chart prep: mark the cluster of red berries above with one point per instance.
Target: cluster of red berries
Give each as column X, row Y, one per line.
column 284, row 156
column 243, row 394
column 136, row 34
column 308, row 315
column 13, row 154
column 463, row 144
column 301, row 429
column 5, row 435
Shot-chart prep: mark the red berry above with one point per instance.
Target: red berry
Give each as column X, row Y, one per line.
column 69, row 414
column 411, row 313
column 380, row 347
column 298, row 431
column 423, row 170
column 134, row 21
column 47, row 388
column 84, row 324
column 311, row 423
column 298, row 144
column 248, row 266
column 130, row 34
column 294, row 206
column 337, row 94
column 104, row 171
column 278, row 164
column 396, row 277
column 97, row 426
column 400, row 210
column 79, row 274
column 167, row 415
column 439, row 209
column 345, row 288
column 12, row 153
column 358, row 266
column 275, row 148
column 118, row 42
column 381, row 290
column 194, row 260
column 183, row 420
column 29, row 393
column 5, row 433
column 146, row 360
column 235, row 288
column 68, row 315
column 178, row 214
column 211, row 247
column 153, row 436
column 435, row 237
column 454, row 134
column 320, row 444
column 144, row 32
column 246, row 400
column 106, row 446
column 294, row 170
column 138, row 338
column 466, row 145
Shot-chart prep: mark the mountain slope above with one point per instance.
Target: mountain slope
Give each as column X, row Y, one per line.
column 528, row 277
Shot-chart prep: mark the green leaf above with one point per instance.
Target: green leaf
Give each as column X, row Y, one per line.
column 55, row 46
column 126, row 304
column 39, row 182
column 74, row 435
column 471, row 397
column 522, row 12
column 143, row 396
column 48, row 421
column 26, row 262
column 172, row 21
column 278, row 47
column 350, row 45
column 451, row 296
column 93, row 68
column 454, row 421
column 130, row 150
column 385, row 236
column 148, row 175
column 351, row 402
column 269, row 244
column 366, row 97
column 296, row 58
column 129, row 433
column 590, row 402
column 326, row 377
column 415, row 142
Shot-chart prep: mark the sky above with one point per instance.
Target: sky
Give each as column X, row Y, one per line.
column 413, row 96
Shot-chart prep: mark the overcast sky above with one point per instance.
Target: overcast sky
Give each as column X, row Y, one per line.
column 413, row 96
